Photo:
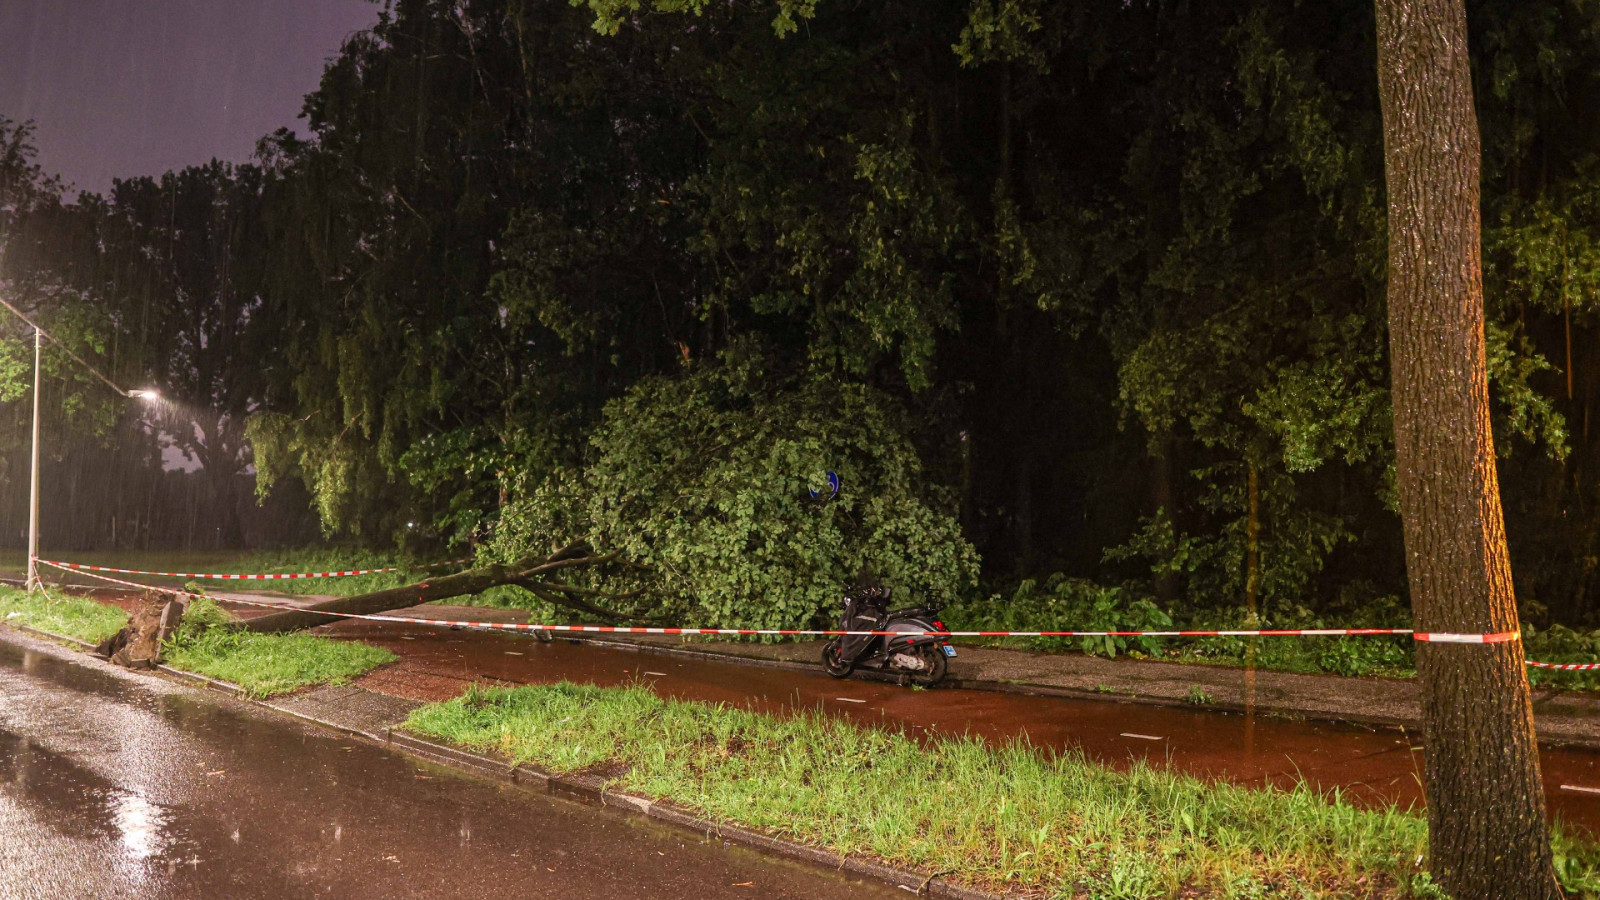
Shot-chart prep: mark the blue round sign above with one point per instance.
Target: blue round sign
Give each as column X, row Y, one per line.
column 833, row 488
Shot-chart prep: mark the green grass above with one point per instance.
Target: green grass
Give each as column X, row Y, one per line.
column 322, row 560
column 209, row 561
column 265, row 664
column 269, row 664
column 78, row 617
column 1009, row 815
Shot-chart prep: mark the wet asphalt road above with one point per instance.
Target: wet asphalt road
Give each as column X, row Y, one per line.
column 114, row 785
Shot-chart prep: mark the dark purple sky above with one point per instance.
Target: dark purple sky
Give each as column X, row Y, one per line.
column 137, row 87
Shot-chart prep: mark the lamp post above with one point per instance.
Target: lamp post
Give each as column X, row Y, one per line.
column 33, row 478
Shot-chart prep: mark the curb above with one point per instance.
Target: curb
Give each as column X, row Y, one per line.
column 585, row 788
column 195, row 679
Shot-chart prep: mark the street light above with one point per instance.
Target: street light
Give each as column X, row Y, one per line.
column 33, row 478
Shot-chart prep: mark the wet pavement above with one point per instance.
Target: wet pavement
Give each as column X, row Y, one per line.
column 1370, row 766
column 114, row 785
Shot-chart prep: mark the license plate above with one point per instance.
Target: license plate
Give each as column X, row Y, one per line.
column 949, row 650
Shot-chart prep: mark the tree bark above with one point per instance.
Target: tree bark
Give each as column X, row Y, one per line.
column 1486, row 816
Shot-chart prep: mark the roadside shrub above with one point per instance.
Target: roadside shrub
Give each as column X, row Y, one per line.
column 1336, row 655
column 1067, row 604
column 1560, row 644
column 1072, row 604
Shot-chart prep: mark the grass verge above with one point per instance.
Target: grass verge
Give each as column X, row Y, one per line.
column 1009, row 816
column 79, row 617
column 310, row 559
column 325, row 560
column 264, row 664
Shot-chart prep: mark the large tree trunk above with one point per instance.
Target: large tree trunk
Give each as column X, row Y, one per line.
column 540, row 575
column 1486, row 816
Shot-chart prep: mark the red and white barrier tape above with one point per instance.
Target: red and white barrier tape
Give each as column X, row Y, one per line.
column 213, row 576
column 1436, row 637
column 1566, row 667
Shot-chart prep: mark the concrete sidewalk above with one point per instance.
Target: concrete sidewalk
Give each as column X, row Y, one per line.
column 1562, row 717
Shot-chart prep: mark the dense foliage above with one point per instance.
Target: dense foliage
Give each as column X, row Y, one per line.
column 1095, row 289
column 718, row 481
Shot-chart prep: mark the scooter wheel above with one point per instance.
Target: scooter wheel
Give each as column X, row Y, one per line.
column 934, row 666
column 833, row 659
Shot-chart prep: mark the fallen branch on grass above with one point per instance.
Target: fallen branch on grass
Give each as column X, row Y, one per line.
column 534, row 574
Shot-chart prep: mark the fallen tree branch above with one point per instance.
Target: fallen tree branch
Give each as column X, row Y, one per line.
column 570, row 563
column 525, row 573
column 590, row 592
column 570, row 602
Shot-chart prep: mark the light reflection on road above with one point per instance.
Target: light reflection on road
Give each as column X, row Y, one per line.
column 119, row 786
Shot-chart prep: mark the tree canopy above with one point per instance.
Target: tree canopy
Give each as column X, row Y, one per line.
column 1063, row 288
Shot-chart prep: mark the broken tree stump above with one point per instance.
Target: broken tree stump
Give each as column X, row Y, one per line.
column 138, row 645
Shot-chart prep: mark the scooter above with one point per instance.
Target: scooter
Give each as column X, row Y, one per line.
column 922, row 659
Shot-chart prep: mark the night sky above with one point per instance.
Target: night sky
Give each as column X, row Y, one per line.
column 138, row 87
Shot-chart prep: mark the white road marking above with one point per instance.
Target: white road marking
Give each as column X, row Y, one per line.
column 1143, row 737
column 1580, row 789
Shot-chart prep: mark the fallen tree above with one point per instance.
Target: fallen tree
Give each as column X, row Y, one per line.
column 730, row 494
column 546, row 577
